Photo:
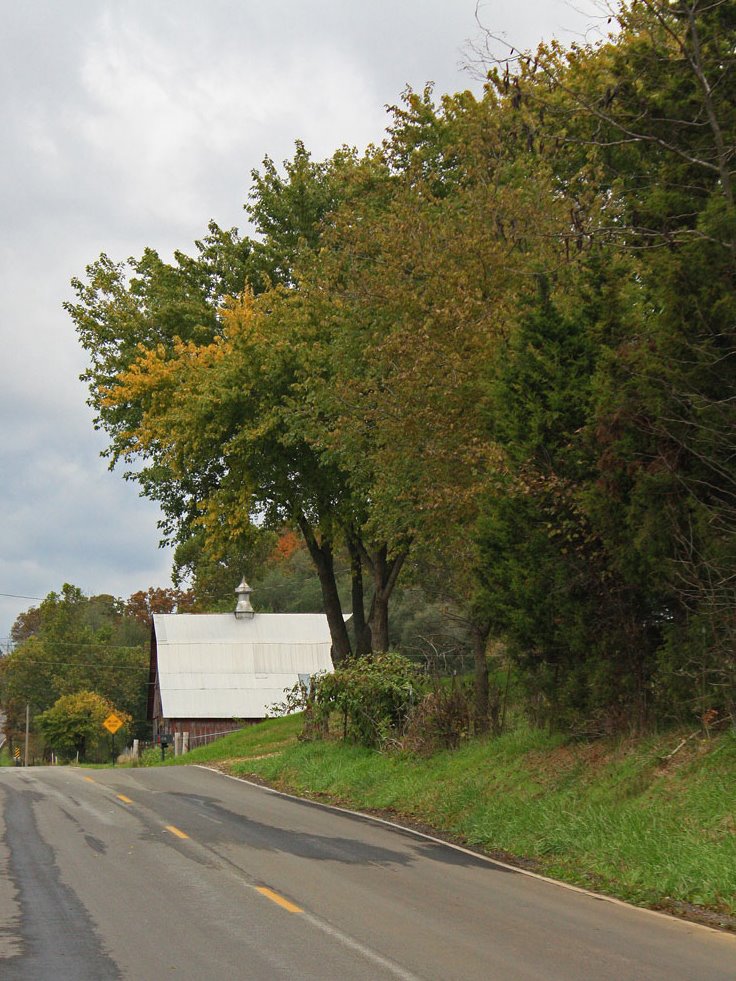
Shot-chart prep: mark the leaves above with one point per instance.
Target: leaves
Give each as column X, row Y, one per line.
column 72, row 642
column 73, row 724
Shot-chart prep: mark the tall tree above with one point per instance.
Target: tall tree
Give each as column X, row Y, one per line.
column 414, row 294
column 237, row 452
column 639, row 131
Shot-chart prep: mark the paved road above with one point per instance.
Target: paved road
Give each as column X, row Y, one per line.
column 184, row 873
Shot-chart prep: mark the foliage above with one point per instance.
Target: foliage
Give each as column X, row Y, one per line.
column 610, row 538
column 212, row 576
column 289, row 584
column 73, row 724
column 296, row 699
column 78, row 643
column 441, row 720
column 143, row 604
column 373, row 697
column 151, row 756
column 209, row 410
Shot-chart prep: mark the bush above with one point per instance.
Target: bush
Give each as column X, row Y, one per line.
column 374, row 696
column 441, row 720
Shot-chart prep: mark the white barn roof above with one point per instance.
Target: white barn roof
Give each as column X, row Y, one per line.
column 214, row 666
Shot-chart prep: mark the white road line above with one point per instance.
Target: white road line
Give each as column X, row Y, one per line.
column 386, row 965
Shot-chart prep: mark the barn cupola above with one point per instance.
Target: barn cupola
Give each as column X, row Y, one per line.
column 243, row 609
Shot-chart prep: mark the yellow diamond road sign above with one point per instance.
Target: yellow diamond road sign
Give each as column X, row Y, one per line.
column 112, row 723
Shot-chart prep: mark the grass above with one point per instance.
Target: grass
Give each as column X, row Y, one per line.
column 611, row 816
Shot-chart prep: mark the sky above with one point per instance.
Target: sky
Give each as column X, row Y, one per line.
column 126, row 124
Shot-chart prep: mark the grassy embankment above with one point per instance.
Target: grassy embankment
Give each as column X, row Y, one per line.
column 618, row 817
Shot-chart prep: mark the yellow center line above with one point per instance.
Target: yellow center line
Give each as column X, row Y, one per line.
column 279, row 900
column 175, row 831
column 124, row 799
column 89, row 779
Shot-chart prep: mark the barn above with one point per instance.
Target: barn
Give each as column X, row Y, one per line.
column 215, row 672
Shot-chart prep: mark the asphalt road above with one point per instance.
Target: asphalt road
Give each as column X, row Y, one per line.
column 184, row 873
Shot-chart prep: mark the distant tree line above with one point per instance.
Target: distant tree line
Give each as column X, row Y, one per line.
column 90, row 654
column 492, row 358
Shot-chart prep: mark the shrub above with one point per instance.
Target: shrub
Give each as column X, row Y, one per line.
column 441, row 720
column 374, row 696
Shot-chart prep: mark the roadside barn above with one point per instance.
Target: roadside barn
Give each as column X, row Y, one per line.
column 215, row 672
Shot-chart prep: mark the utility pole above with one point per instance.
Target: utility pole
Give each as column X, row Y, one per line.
column 28, row 723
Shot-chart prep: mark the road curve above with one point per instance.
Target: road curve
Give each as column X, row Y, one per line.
column 184, row 873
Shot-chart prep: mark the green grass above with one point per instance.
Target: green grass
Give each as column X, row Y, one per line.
column 612, row 817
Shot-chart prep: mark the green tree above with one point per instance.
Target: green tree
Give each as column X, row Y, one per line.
column 73, row 724
column 211, row 409
column 639, row 132
column 149, row 306
column 579, row 623
column 122, row 307
column 413, row 294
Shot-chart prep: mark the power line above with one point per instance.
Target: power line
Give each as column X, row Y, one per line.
column 28, row 661
column 103, row 645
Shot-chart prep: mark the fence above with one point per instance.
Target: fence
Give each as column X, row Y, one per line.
column 188, row 740
column 208, row 737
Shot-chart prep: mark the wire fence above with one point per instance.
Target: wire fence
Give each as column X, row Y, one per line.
column 192, row 740
column 208, row 737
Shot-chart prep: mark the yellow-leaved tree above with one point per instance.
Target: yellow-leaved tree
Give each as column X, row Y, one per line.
column 74, row 724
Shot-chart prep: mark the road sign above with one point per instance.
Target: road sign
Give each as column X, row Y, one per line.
column 112, row 723
column 16, row 752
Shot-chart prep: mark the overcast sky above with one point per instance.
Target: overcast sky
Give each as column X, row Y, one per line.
column 132, row 123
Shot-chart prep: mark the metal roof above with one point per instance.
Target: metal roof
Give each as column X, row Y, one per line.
column 214, row 666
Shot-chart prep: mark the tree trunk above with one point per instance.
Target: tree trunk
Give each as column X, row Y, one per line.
column 385, row 573
column 361, row 630
column 379, row 622
column 321, row 554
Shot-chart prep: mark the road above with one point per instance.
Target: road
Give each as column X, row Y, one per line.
column 185, row 873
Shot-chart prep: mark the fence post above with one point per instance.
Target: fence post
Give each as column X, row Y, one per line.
column 177, row 744
column 185, row 742
column 136, row 749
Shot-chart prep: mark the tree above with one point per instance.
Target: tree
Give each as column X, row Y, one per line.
column 579, row 623
column 163, row 307
column 123, row 307
column 144, row 603
column 414, row 293
column 639, row 132
column 496, row 351
column 236, row 453
column 73, row 724
column 222, row 408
